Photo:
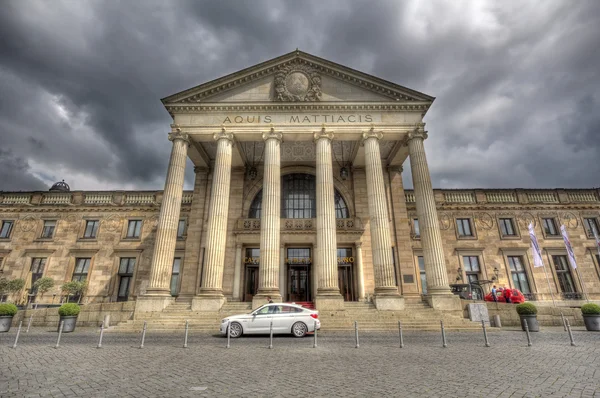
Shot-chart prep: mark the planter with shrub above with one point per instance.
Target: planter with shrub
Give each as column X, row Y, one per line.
column 68, row 314
column 591, row 316
column 528, row 313
column 7, row 311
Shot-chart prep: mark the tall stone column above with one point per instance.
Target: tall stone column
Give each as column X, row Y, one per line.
column 158, row 294
column 386, row 290
column 360, row 273
column 270, row 221
column 237, row 272
column 211, row 291
column 282, row 273
column 328, row 291
column 438, row 289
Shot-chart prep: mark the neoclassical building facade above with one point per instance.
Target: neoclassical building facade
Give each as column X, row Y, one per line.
column 298, row 195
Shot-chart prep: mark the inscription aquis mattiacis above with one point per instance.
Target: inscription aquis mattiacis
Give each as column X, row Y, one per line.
column 298, row 119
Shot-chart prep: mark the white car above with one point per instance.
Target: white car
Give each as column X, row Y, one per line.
column 286, row 318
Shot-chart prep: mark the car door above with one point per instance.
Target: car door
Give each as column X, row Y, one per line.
column 284, row 318
column 261, row 320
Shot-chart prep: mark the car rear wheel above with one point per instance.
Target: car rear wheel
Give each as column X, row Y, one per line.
column 299, row 329
column 235, row 330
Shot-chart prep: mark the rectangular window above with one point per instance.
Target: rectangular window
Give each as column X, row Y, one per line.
column 416, row 229
column 6, row 229
column 126, row 266
column 91, row 229
column 82, row 267
column 180, row 229
column 37, row 271
column 563, row 273
column 518, row 274
column 1, row 263
column 175, row 276
column 506, row 227
column 421, row 262
column 464, row 227
column 550, row 227
column 134, row 228
column 472, row 269
column 590, row 226
column 48, row 230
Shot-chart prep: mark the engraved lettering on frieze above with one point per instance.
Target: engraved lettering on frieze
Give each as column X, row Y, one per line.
column 298, row 119
column 297, row 82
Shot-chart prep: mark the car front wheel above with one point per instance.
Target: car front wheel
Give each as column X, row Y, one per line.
column 235, row 330
column 299, row 329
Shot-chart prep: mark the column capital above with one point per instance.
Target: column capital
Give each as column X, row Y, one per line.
column 371, row 134
column 418, row 132
column 178, row 134
column 323, row 133
column 398, row 169
column 272, row 134
column 223, row 135
column 238, row 245
column 358, row 245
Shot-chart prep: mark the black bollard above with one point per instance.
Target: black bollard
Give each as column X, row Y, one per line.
column 400, row 333
column 101, row 335
column 228, row 334
column 570, row 334
column 356, row 333
column 315, row 336
column 186, row 334
column 527, row 333
column 271, row 336
column 563, row 321
column 487, row 343
column 60, row 329
column 29, row 324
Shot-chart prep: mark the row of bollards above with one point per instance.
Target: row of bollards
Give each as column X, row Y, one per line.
column 525, row 325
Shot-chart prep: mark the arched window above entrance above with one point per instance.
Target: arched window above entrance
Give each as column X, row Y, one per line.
column 298, row 199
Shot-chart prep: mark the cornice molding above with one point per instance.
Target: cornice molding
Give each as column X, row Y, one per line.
column 300, row 107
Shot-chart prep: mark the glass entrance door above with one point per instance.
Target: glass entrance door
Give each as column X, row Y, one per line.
column 251, row 264
column 299, row 273
column 345, row 262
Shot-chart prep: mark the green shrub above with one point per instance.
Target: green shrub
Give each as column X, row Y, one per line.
column 8, row 309
column 590, row 309
column 69, row 309
column 526, row 309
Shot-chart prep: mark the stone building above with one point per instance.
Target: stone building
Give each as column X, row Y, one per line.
column 298, row 195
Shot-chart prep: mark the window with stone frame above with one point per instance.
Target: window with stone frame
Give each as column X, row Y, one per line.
column 416, row 229
column 590, row 224
column 1, row 263
column 37, row 271
column 507, row 227
column 549, row 225
column 134, row 229
column 82, row 267
column 472, row 271
column 48, row 229
column 91, row 229
column 563, row 273
column 175, row 276
column 126, row 267
column 463, row 226
column 421, row 262
column 518, row 274
column 6, row 229
column 181, row 229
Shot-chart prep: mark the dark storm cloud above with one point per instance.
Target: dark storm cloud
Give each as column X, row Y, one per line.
column 516, row 83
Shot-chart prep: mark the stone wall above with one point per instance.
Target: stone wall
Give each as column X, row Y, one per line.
column 91, row 315
column 547, row 316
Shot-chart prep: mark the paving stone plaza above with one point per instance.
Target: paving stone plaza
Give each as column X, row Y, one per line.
column 379, row 367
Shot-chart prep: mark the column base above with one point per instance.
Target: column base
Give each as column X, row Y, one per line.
column 152, row 303
column 388, row 302
column 329, row 302
column 207, row 303
column 261, row 299
column 444, row 302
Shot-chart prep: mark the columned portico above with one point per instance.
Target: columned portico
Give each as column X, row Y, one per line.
column 268, row 282
column 328, row 291
column 211, row 291
column 386, row 289
column 438, row 290
column 158, row 294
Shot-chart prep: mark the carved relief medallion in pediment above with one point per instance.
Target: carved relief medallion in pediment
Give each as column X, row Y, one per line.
column 297, row 82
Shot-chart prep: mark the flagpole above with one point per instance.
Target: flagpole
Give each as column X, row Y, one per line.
column 537, row 259
column 572, row 260
column 548, row 281
column 582, row 285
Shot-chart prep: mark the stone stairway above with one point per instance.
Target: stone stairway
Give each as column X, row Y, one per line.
column 416, row 316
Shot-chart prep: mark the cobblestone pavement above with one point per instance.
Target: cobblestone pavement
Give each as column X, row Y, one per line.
column 551, row 367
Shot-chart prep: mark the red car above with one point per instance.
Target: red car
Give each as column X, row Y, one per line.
column 516, row 296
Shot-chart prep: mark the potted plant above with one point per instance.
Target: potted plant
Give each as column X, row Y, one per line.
column 528, row 313
column 10, row 286
column 42, row 285
column 591, row 316
column 7, row 311
column 73, row 288
column 68, row 314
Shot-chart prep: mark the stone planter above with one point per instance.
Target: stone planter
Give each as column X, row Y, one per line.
column 69, row 323
column 532, row 322
column 5, row 322
column 592, row 322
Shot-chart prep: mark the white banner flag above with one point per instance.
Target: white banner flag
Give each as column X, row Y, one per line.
column 565, row 236
column 535, row 247
column 596, row 237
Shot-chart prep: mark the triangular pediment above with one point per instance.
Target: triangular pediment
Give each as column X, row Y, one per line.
column 297, row 77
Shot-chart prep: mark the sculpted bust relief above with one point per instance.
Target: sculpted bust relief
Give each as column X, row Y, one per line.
column 297, row 82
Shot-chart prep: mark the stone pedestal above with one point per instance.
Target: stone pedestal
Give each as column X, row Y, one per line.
column 145, row 304
column 444, row 302
column 208, row 302
column 329, row 303
column 389, row 303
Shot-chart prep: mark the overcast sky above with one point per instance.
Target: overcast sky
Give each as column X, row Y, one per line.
column 517, row 84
